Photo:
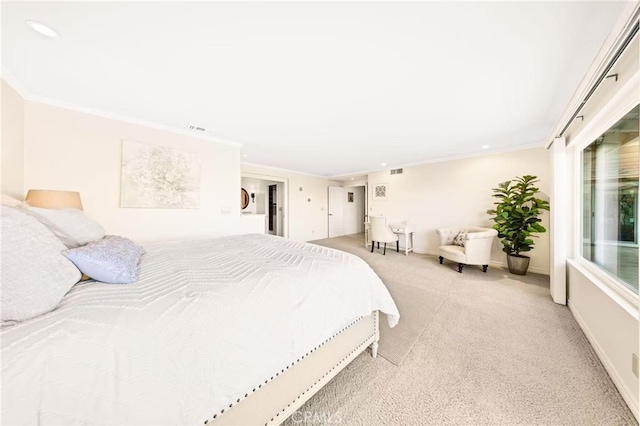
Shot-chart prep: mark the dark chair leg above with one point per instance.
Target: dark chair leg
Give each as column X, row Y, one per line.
column 460, row 266
column 441, row 259
column 378, row 246
column 398, row 246
column 484, row 268
column 385, row 249
column 373, row 244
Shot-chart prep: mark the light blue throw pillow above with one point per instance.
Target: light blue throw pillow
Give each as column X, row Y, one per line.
column 111, row 260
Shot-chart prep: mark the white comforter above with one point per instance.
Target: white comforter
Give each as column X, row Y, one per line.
column 206, row 323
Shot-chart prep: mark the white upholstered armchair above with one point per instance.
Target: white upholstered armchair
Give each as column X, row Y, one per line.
column 476, row 249
column 380, row 233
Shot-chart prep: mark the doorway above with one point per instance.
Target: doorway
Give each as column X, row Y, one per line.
column 346, row 210
column 272, row 220
column 268, row 199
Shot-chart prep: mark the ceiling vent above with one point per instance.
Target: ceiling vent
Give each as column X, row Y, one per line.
column 396, row 171
column 197, row 128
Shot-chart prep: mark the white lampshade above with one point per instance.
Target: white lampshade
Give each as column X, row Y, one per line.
column 50, row 199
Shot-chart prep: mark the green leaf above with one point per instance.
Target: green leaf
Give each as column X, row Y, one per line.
column 516, row 213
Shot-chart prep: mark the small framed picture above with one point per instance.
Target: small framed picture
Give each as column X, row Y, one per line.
column 350, row 197
column 380, row 192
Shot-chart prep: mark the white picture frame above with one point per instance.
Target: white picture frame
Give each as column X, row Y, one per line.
column 380, row 192
column 157, row 177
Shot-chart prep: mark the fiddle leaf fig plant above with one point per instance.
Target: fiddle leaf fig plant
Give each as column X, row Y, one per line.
column 516, row 214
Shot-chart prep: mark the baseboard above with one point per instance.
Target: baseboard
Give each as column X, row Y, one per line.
column 495, row 264
column 604, row 359
column 532, row 269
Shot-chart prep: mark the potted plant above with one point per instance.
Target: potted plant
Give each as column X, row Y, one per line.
column 516, row 219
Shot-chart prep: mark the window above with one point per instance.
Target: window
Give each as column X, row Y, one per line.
column 610, row 170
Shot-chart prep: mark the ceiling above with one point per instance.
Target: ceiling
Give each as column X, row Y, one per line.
column 328, row 88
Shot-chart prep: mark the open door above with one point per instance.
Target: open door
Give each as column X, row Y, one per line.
column 336, row 211
column 272, row 220
column 269, row 199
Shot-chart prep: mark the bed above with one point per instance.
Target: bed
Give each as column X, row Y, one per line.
column 232, row 330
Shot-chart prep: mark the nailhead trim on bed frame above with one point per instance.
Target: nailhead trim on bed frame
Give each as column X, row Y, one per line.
column 318, row 381
column 298, row 360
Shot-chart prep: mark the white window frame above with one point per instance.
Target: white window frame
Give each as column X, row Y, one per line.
column 623, row 101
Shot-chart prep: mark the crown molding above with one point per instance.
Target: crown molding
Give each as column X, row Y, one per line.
column 130, row 120
column 245, row 163
column 465, row 156
column 14, row 82
column 626, row 20
column 17, row 85
column 456, row 157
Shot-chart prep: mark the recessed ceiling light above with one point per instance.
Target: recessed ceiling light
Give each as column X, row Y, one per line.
column 485, row 146
column 43, row 29
column 383, row 164
column 352, row 178
column 245, row 155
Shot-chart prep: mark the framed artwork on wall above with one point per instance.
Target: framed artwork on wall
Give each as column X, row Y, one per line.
column 380, row 192
column 350, row 197
column 157, row 177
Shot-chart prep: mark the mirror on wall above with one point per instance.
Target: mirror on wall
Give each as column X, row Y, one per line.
column 244, row 198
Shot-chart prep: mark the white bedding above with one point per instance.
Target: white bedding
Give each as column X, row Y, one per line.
column 207, row 322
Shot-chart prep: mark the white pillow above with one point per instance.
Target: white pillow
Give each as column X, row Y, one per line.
column 35, row 275
column 112, row 260
column 72, row 226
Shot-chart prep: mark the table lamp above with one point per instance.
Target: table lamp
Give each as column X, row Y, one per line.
column 50, row 199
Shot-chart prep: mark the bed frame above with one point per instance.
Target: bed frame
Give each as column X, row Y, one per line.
column 271, row 402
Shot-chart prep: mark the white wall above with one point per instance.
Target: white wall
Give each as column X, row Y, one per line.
column 70, row 150
column 307, row 208
column 611, row 329
column 12, row 152
column 356, row 182
column 458, row 192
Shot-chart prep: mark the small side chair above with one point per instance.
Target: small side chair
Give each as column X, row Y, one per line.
column 380, row 233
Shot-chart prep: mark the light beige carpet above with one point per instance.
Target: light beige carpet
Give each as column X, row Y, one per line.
column 417, row 295
column 492, row 349
column 418, row 306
